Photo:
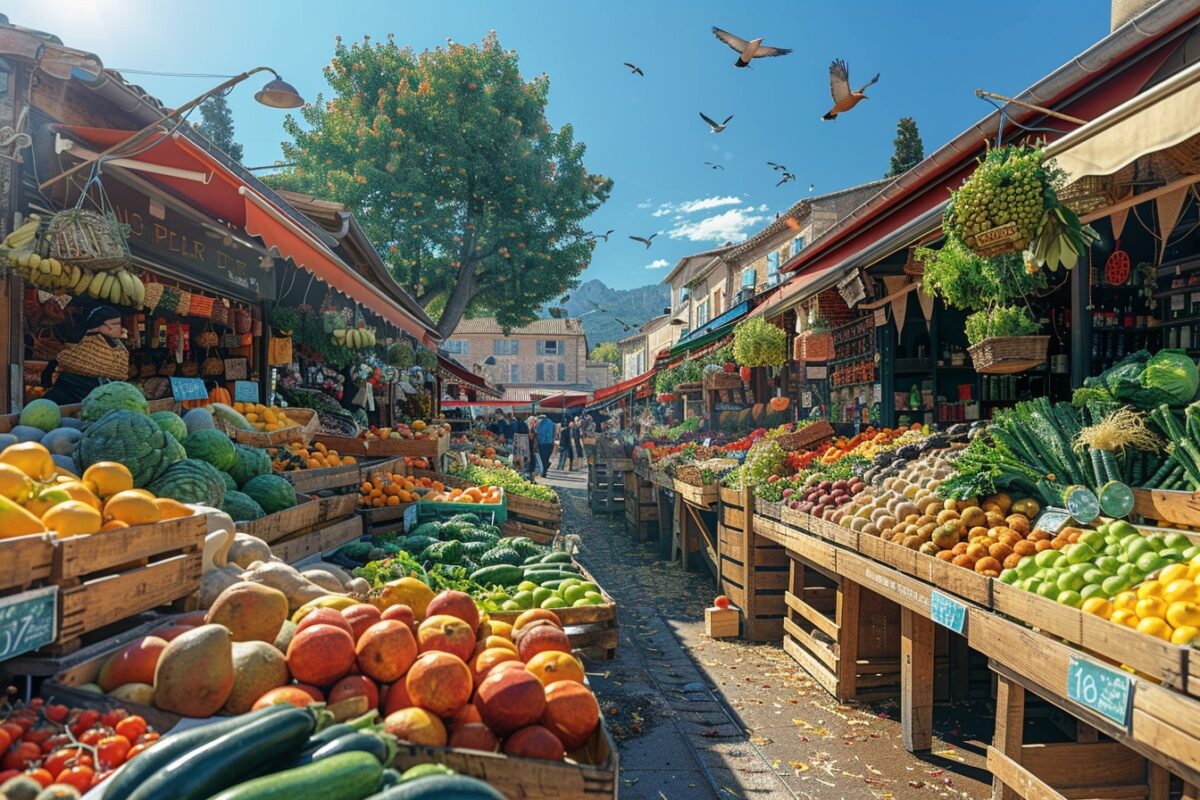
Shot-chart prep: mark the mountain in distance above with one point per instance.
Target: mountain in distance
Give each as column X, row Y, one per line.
column 621, row 307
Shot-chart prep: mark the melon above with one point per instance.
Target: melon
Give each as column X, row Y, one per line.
column 170, row 423
column 510, row 699
column 42, row 414
column 62, row 441
column 198, row 419
column 251, row 611
column 257, row 669
column 194, row 675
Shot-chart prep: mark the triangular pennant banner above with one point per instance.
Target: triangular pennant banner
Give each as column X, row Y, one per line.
column 1169, row 206
column 1118, row 222
column 899, row 299
column 926, row 305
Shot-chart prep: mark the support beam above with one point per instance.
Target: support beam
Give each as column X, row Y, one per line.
column 1009, row 733
column 916, row 680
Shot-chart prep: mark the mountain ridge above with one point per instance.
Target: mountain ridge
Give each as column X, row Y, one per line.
column 611, row 314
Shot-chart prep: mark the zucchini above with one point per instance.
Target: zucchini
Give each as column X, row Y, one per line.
column 355, row 743
column 531, row 560
column 229, row 759
column 346, row 776
column 133, row 773
column 554, row 575
column 557, row 557
column 498, row 575
column 439, row 787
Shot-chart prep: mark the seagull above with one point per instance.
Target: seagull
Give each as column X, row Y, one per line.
column 603, row 236
column 716, row 128
column 777, row 167
column 839, row 87
column 748, row 50
column 714, row 166
column 811, row 187
column 644, row 240
column 634, row 69
column 787, row 176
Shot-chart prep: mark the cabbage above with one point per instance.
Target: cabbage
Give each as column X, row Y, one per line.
column 1174, row 374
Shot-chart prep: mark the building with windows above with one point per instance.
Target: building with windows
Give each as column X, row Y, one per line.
column 544, row 357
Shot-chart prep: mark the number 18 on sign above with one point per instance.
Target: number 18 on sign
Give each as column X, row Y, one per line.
column 1103, row 690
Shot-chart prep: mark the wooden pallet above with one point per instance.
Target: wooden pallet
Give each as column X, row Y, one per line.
column 333, row 535
column 345, row 445
column 606, row 490
column 752, row 570
column 306, row 515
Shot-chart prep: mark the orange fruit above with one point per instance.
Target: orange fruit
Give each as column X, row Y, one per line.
column 73, row 518
column 132, row 508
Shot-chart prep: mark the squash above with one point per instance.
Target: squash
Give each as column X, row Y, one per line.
column 220, row 395
column 779, row 403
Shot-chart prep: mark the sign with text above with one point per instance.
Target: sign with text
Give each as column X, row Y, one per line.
column 947, row 612
column 816, row 373
column 188, row 389
column 28, row 620
column 245, row 391
column 1106, row 691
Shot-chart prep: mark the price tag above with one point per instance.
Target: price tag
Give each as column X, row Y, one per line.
column 188, row 389
column 1052, row 520
column 816, row 373
column 807, row 400
column 708, row 442
column 245, row 391
column 1177, row 302
column 28, row 621
column 1106, row 691
column 947, row 612
column 410, row 517
column 876, row 393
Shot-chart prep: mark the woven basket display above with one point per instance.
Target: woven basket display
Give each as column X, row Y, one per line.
column 1089, row 193
column 95, row 357
column 256, row 327
column 279, row 351
column 242, row 321
column 722, row 380
column 46, row 346
column 155, row 388
column 88, row 239
column 201, row 306
column 168, row 301
column 212, row 367
column 185, row 304
column 154, row 293
column 817, row 346
column 189, row 369
column 147, row 371
column 220, row 314
column 168, row 368
column 231, row 340
column 1004, row 355
column 807, row 437
column 208, row 339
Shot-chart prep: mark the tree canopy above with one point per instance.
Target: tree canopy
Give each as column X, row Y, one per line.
column 448, row 161
column 909, row 149
column 607, row 351
column 217, row 124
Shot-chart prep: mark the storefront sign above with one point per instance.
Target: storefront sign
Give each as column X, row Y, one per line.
column 245, row 392
column 1103, row 690
column 28, row 620
column 188, row 389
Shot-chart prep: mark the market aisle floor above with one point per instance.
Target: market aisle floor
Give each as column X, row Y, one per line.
column 697, row 718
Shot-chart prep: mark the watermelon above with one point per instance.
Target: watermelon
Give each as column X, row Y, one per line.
column 198, row 419
column 130, row 438
column 41, row 413
column 241, row 507
column 249, row 462
column 27, row 433
column 171, row 422
column 212, row 446
column 62, row 441
column 271, row 492
column 230, row 484
column 174, row 451
column 115, row 396
column 230, row 417
column 191, row 481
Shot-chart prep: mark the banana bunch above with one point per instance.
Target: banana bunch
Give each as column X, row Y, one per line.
column 47, row 274
column 354, row 338
column 119, row 287
column 1061, row 239
column 22, row 237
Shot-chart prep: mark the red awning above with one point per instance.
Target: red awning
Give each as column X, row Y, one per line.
column 205, row 181
column 485, row 403
column 622, row 387
column 456, row 372
column 569, row 400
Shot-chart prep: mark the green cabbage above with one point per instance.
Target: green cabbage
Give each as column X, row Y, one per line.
column 1173, row 373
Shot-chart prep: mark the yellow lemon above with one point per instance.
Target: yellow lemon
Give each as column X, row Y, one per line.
column 73, row 518
column 1193, row 572
column 79, row 492
column 47, row 499
column 1125, row 599
column 15, row 484
column 1183, row 613
column 1172, row 572
column 133, row 508
column 1125, row 616
column 1150, row 607
column 1149, row 588
column 171, row 509
column 1182, row 589
column 1185, row 635
column 1098, row 606
column 17, row 521
column 31, row 458
column 108, row 478
column 1155, row 627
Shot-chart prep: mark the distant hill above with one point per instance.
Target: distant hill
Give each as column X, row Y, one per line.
column 606, row 312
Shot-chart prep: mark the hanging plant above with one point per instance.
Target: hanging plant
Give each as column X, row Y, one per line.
column 401, row 355
column 966, row 280
column 1000, row 321
column 758, row 343
column 426, row 359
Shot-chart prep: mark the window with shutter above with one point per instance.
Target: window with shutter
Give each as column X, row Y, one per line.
column 748, row 277
column 562, row 373
column 514, row 373
column 797, row 244
column 541, row 373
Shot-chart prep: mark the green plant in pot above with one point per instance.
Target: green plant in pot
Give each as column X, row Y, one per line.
column 966, row 280
column 1000, row 321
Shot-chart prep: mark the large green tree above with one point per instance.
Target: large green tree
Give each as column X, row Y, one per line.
column 607, row 351
column 448, row 160
column 909, row 149
column 217, row 124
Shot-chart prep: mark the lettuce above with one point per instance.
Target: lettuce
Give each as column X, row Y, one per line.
column 1173, row 373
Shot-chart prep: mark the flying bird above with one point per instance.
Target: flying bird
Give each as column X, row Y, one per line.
column 714, row 125
column 748, row 50
column 603, row 236
column 811, row 187
column 644, row 240
column 787, row 176
column 714, row 166
column 777, row 167
column 839, row 87
column 634, row 69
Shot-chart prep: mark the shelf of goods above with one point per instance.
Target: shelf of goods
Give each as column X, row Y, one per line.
column 846, row 590
column 382, row 448
column 310, row 515
column 540, row 520
column 592, row 629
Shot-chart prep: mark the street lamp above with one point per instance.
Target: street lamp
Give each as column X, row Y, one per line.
column 278, row 93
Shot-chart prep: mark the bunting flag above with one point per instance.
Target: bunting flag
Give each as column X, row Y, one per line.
column 927, row 301
column 1118, row 220
column 894, row 284
column 1169, row 207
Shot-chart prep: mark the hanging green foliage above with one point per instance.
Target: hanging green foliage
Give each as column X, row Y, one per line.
column 758, row 343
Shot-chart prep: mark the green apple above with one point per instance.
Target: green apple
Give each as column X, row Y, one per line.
column 1150, row 562
column 1048, row 590
column 1082, row 568
column 526, row 586
column 1070, row 598
column 1009, row 576
column 1094, row 576
column 1093, row 539
column 1027, row 567
column 1171, row 555
column 1079, row 553
column 1093, row 590
column 1108, row 565
column 1069, row 581
column 1121, row 528
column 1178, row 541
column 1136, row 548
column 1114, row 585
column 1048, row 558
column 1157, row 541
column 1031, row 585
column 1191, row 552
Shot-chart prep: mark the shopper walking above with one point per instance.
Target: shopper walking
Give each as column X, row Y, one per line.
column 577, row 436
column 545, row 442
column 520, row 446
column 566, row 447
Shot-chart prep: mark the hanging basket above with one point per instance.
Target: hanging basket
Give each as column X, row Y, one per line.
column 1005, row 355
column 816, row 346
column 88, row 239
column 912, row 266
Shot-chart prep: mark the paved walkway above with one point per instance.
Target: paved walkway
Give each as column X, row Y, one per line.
column 698, row 718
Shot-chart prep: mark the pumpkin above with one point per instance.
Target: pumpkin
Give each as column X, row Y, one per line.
column 220, row 395
column 729, row 367
column 778, row 403
column 745, row 373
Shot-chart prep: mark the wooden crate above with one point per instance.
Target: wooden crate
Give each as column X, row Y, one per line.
column 641, row 507
column 25, row 561
column 945, row 576
column 702, row 496
column 391, row 466
column 592, row 629
column 304, row 516
column 384, row 518
column 297, row 548
column 606, row 490
column 542, row 512
column 830, row 531
column 752, row 570
column 303, row 431
column 345, row 445
column 104, row 579
column 414, row 448
column 308, row 481
column 514, row 527
column 593, row 775
column 722, row 623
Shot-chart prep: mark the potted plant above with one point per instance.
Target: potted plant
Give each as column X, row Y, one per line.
column 1003, row 339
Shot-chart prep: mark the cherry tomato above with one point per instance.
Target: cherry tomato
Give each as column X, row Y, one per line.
column 14, row 731
column 93, row 736
column 79, row 777
column 67, row 757
column 112, row 750
column 38, row 735
column 85, row 721
column 137, row 749
column 113, row 716
column 132, row 727
column 55, row 742
column 150, row 737
column 8, row 773
column 99, row 778
column 21, row 755
column 36, row 703
column 40, row 775
column 56, row 712
column 5, row 740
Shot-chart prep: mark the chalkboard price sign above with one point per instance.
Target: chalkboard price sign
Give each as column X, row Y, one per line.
column 1103, row 690
column 188, row 389
column 28, row 620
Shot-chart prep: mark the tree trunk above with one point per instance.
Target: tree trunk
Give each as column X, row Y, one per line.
column 460, row 298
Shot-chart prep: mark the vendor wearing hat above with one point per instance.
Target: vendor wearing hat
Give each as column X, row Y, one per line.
column 95, row 353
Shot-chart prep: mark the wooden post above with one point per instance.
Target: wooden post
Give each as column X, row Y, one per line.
column 1158, row 782
column 1009, row 733
column 916, row 680
column 847, row 617
column 666, row 525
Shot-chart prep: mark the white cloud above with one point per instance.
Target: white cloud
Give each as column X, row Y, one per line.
column 645, row 203
column 693, row 206
column 731, row 226
column 657, row 263
column 763, row 207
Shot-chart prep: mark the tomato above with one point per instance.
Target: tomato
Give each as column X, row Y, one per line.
column 93, row 736
column 79, row 777
column 21, row 755
column 5, row 740
column 112, row 750
column 56, row 712
column 14, row 731
column 99, row 778
column 137, row 749
column 38, row 735
column 8, row 773
column 59, row 760
column 55, row 742
column 40, row 775
column 112, row 717
column 132, row 727
column 150, row 737
column 85, row 720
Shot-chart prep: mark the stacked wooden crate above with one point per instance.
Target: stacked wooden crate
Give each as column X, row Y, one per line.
column 641, row 507
column 753, row 571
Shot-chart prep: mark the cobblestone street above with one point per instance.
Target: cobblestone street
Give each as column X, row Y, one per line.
column 699, row 718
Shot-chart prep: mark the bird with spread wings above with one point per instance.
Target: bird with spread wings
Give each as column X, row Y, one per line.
column 634, row 69
column 715, row 126
column 644, row 239
column 748, row 50
column 839, row 86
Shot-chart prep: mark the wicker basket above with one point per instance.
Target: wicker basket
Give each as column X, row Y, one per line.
column 154, row 293
column 201, row 306
column 303, row 431
column 716, row 381
column 212, row 367
column 1006, row 238
column 816, row 346
column 46, row 346
column 912, row 266
column 94, row 357
column 1004, row 355
column 88, row 239
column 220, row 314
column 807, row 437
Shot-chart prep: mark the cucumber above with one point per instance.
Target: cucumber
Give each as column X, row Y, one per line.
column 540, row 578
column 438, row 787
column 390, row 778
column 558, row 557
column 498, row 575
column 232, row 758
column 133, row 773
column 346, row 776
column 531, row 560
column 355, row 743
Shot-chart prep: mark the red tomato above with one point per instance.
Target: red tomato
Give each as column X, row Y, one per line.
column 721, row 601
column 99, row 778
column 56, row 712
column 137, row 749
column 67, row 757
column 147, row 738
column 112, row 717
column 38, row 735
column 14, row 731
column 36, row 703
column 132, row 727
column 111, row 751
column 21, row 755
column 5, row 740
column 92, row 737
column 79, row 777
column 55, row 742
column 40, row 775
column 8, row 773
column 85, row 721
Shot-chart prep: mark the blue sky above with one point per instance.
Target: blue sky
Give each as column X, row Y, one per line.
column 645, row 133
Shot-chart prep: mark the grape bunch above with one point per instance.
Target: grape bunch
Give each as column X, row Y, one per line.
column 1008, row 187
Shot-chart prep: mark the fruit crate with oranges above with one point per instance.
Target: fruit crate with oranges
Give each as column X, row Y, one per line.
column 427, row 448
column 314, row 467
column 592, row 629
column 384, row 496
column 483, row 501
column 276, row 426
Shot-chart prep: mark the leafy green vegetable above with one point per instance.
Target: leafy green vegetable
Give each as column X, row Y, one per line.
column 1000, row 321
column 1174, row 373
